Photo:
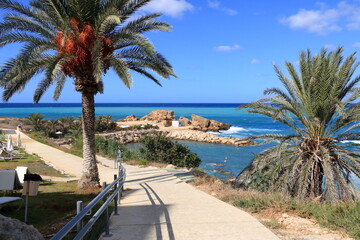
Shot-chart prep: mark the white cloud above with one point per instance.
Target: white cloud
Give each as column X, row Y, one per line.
column 172, row 8
column 321, row 22
column 217, row 5
column 357, row 44
column 325, row 20
column 225, row 48
column 254, row 61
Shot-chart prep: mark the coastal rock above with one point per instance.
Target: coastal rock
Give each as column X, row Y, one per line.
column 129, row 118
column 166, row 123
column 198, row 136
column 13, row 229
column 204, row 124
column 185, row 121
column 199, row 122
column 159, row 116
column 215, row 126
column 125, row 137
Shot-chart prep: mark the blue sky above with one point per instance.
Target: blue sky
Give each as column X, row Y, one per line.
column 223, row 50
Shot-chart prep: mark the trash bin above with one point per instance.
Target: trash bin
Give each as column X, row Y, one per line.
column 31, row 184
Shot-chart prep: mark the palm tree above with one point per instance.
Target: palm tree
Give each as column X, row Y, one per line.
column 66, row 123
column 53, row 124
column 319, row 159
column 79, row 39
column 36, row 120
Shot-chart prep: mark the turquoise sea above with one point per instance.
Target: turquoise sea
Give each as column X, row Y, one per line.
column 218, row 160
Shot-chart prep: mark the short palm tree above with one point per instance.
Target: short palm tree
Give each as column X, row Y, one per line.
column 36, row 120
column 52, row 125
column 319, row 159
column 82, row 40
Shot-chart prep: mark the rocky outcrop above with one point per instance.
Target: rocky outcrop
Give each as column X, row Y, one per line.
column 125, row 137
column 129, row 118
column 199, row 123
column 193, row 135
column 13, row 229
column 185, row 120
column 215, row 126
column 159, row 116
column 203, row 124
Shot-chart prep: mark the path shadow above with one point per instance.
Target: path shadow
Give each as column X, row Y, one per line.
column 139, row 222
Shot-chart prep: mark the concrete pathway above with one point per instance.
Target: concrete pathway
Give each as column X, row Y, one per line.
column 66, row 162
column 157, row 205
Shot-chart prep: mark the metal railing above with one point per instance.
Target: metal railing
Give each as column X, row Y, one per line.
column 77, row 221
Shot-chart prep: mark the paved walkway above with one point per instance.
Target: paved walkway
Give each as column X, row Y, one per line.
column 157, row 205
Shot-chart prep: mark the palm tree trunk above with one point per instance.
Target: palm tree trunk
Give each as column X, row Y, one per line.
column 90, row 173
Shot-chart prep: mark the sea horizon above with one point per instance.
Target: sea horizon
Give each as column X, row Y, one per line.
column 120, row 104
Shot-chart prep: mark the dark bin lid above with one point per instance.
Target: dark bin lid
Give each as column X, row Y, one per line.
column 32, row 177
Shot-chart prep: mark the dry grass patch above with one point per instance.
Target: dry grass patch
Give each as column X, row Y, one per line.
column 287, row 217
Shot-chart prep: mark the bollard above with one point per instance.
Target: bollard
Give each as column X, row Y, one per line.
column 106, row 215
column 79, row 208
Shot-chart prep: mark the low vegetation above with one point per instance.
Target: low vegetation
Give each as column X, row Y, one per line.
column 52, row 207
column 34, row 164
column 68, row 127
column 341, row 216
column 160, row 149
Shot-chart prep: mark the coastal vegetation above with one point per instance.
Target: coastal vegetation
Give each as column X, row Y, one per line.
column 153, row 149
column 164, row 150
column 319, row 159
column 271, row 207
column 81, row 40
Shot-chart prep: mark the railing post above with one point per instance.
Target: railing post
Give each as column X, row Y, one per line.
column 116, row 197
column 121, row 173
column 106, row 215
column 79, row 208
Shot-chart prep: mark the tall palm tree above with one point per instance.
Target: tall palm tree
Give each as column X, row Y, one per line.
column 79, row 39
column 319, row 159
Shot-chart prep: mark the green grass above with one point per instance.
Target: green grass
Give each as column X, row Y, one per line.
column 42, row 139
column 34, row 164
column 343, row 216
column 55, row 203
column 54, row 206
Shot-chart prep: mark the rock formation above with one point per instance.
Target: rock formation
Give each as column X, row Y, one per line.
column 199, row 123
column 185, row 120
column 125, row 137
column 165, row 117
column 13, row 229
column 129, row 118
column 203, row 124
column 159, row 116
column 215, row 126
column 193, row 135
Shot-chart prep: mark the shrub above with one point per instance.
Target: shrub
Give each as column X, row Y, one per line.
column 108, row 147
column 162, row 149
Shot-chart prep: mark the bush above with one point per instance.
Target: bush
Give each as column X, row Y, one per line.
column 162, row 149
column 129, row 155
column 108, row 147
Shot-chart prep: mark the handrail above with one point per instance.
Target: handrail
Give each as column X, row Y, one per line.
column 73, row 222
